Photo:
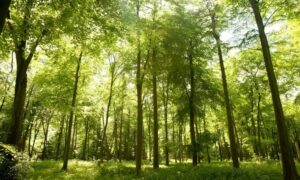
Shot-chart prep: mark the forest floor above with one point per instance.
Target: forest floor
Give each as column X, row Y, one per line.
column 85, row 170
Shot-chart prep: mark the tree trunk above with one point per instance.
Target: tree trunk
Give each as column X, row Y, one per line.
column 180, row 142
column 253, row 128
column 46, row 130
column 139, row 87
column 149, row 134
column 121, row 133
column 115, row 133
column 173, row 139
column 86, row 126
column 288, row 164
column 73, row 106
column 165, row 101
column 155, row 113
column 19, row 100
column 108, row 111
column 60, row 133
column 192, row 105
column 259, row 148
column 36, row 132
column 14, row 135
column 4, row 12
column 74, row 138
column 219, row 145
column 204, row 128
column 232, row 140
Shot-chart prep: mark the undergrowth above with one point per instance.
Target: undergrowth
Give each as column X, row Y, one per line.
column 270, row 170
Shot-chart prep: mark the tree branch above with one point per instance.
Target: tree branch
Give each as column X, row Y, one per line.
column 34, row 46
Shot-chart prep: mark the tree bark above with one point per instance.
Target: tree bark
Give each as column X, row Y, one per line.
column 192, row 105
column 45, row 126
column 204, row 128
column 73, row 106
column 86, row 126
column 139, row 88
column 14, row 135
column 60, row 133
column 155, row 112
column 149, row 133
column 230, row 123
column 121, row 132
column 288, row 164
column 74, row 138
column 165, row 101
column 4, row 11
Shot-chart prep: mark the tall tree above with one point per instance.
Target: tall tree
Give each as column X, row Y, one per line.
column 155, row 111
column 230, row 120
column 288, row 164
column 72, row 111
column 23, row 61
column 139, row 89
column 191, row 102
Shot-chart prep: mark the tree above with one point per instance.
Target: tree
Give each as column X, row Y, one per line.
column 23, row 62
column 72, row 111
column 139, row 89
column 230, row 120
column 289, row 168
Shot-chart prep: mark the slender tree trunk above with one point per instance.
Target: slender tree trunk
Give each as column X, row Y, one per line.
column 155, row 113
column 24, row 137
column 198, row 136
column 184, row 134
column 36, row 132
column 149, row 134
column 25, row 134
column 173, row 138
column 29, row 139
column 259, row 148
column 115, row 134
column 238, row 145
column 253, row 128
column 288, row 164
column 180, row 142
column 108, row 111
column 204, row 127
column 46, row 130
column 86, row 126
column 139, row 87
column 233, row 145
column 121, row 133
column 60, row 133
column 165, row 101
column 192, row 105
column 74, row 137
column 73, row 106
column 297, row 146
column 219, row 145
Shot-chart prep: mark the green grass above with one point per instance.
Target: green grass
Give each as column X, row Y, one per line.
column 85, row 170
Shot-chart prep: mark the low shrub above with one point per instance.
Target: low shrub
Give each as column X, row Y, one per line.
column 13, row 164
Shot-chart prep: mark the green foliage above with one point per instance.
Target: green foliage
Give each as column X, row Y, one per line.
column 13, row 164
column 111, row 170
